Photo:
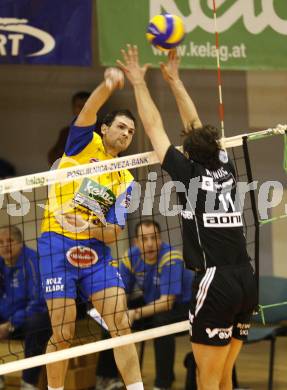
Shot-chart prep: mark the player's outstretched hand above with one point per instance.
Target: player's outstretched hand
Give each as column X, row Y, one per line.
column 114, row 78
column 169, row 69
column 130, row 65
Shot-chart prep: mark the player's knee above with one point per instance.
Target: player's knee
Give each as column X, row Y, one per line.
column 62, row 336
column 122, row 325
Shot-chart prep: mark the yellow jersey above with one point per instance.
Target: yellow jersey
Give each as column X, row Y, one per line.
column 101, row 199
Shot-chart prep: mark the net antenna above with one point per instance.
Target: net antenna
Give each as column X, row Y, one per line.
column 219, row 79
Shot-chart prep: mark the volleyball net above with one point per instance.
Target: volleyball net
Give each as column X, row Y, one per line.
column 26, row 200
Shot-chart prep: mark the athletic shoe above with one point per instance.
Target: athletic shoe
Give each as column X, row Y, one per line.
column 103, row 383
column 2, row 382
column 27, row 386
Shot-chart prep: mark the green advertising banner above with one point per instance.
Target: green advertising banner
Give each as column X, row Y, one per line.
column 252, row 33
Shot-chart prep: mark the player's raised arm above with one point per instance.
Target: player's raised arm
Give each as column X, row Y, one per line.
column 148, row 111
column 184, row 102
column 114, row 79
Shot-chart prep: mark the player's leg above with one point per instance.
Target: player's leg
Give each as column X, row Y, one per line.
column 226, row 380
column 111, row 304
column 59, row 283
column 62, row 313
column 210, row 362
column 37, row 334
column 241, row 326
column 216, row 299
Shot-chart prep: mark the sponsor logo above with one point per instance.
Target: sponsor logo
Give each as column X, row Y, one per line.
column 93, row 160
column 54, row 284
column 207, row 183
column 186, row 214
column 254, row 22
column 17, row 29
column 34, row 180
column 243, row 329
column 222, row 220
column 82, row 256
column 222, row 333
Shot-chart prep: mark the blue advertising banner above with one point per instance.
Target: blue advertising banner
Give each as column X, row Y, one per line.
column 47, row 32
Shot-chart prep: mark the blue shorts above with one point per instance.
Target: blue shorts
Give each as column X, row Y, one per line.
column 70, row 266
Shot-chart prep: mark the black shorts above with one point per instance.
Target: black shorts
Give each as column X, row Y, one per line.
column 222, row 304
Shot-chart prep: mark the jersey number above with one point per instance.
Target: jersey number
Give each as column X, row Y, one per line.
column 226, row 200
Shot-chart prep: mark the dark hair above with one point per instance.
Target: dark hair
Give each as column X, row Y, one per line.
column 202, row 145
column 6, row 169
column 14, row 231
column 146, row 222
column 80, row 95
column 110, row 117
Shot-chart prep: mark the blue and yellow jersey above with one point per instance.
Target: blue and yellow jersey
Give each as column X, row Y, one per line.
column 21, row 292
column 168, row 276
column 101, row 198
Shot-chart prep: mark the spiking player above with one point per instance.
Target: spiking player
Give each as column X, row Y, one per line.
column 81, row 219
column 213, row 242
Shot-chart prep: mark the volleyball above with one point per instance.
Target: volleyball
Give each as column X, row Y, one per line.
column 165, row 31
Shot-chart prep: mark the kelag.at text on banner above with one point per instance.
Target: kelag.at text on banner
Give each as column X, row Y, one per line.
column 253, row 33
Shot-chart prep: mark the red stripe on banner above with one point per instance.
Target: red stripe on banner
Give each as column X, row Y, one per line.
column 217, row 40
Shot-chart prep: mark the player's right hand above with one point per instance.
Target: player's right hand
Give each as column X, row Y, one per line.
column 114, row 78
column 169, row 69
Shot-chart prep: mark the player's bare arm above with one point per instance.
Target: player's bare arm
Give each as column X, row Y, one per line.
column 108, row 233
column 187, row 109
column 164, row 303
column 148, row 111
column 114, row 79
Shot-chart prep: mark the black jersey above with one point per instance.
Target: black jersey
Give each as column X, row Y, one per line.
column 211, row 217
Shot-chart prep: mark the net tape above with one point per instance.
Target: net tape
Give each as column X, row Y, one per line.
column 27, row 182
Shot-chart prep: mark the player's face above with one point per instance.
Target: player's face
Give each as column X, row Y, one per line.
column 10, row 248
column 118, row 136
column 148, row 241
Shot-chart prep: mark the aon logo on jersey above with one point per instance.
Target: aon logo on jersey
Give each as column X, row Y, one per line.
column 223, row 220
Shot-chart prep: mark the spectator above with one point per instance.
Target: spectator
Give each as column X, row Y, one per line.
column 23, row 311
column 78, row 101
column 155, row 270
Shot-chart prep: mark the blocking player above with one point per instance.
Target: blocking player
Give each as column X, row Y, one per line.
column 81, row 219
column 214, row 244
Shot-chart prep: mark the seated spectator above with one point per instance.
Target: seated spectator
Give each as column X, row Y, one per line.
column 23, row 311
column 154, row 273
column 6, row 169
column 78, row 101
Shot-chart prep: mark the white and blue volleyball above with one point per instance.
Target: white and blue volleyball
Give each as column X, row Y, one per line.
column 165, row 31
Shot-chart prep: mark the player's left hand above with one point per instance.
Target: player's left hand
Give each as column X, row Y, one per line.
column 130, row 65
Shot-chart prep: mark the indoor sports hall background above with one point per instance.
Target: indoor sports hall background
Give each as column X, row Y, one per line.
column 50, row 49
